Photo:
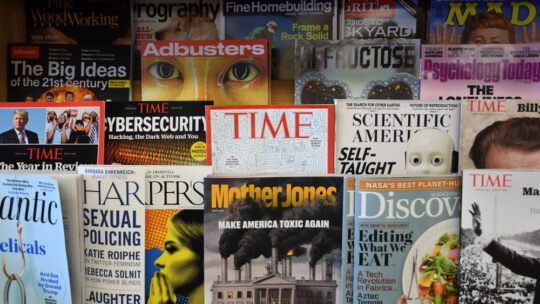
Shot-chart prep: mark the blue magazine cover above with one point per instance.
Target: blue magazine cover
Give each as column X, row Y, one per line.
column 32, row 242
column 347, row 244
column 406, row 240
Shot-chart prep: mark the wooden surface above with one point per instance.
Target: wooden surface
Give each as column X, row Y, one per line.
column 12, row 30
column 282, row 92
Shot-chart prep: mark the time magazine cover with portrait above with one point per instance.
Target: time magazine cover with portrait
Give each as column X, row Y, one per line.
column 67, row 72
column 356, row 68
column 51, row 136
column 499, row 134
column 273, row 239
column 228, row 72
column 479, row 21
column 500, row 232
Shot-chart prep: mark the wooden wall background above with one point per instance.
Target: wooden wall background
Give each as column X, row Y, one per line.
column 12, row 30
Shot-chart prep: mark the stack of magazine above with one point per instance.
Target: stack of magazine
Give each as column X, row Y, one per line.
column 403, row 167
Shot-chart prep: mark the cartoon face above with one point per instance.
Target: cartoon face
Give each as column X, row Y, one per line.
column 429, row 152
column 223, row 80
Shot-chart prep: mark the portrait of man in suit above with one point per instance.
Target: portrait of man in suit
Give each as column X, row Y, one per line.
column 19, row 134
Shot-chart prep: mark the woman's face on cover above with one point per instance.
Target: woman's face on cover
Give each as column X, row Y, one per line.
column 223, row 80
column 178, row 263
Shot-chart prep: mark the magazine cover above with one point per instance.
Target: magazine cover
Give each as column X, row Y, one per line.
column 354, row 68
column 347, row 245
column 113, row 200
column 234, row 71
column 155, row 133
column 406, row 239
column 78, row 22
column 273, row 239
column 35, row 266
column 479, row 21
column 270, row 139
column 480, row 71
column 51, row 136
column 65, row 73
column 166, row 20
column 281, row 23
column 68, row 185
column 500, row 232
column 499, row 134
column 399, row 137
column 174, row 241
column 380, row 19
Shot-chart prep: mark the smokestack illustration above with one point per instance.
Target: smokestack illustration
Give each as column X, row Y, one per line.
column 274, row 260
column 287, row 263
column 238, row 274
column 290, row 266
column 328, row 270
column 322, row 244
column 248, row 270
column 312, row 272
column 278, row 245
column 224, row 269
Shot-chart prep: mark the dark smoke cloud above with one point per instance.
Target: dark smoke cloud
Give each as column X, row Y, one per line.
column 254, row 243
column 323, row 243
column 286, row 239
column 239, row 210
column 251, row 244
